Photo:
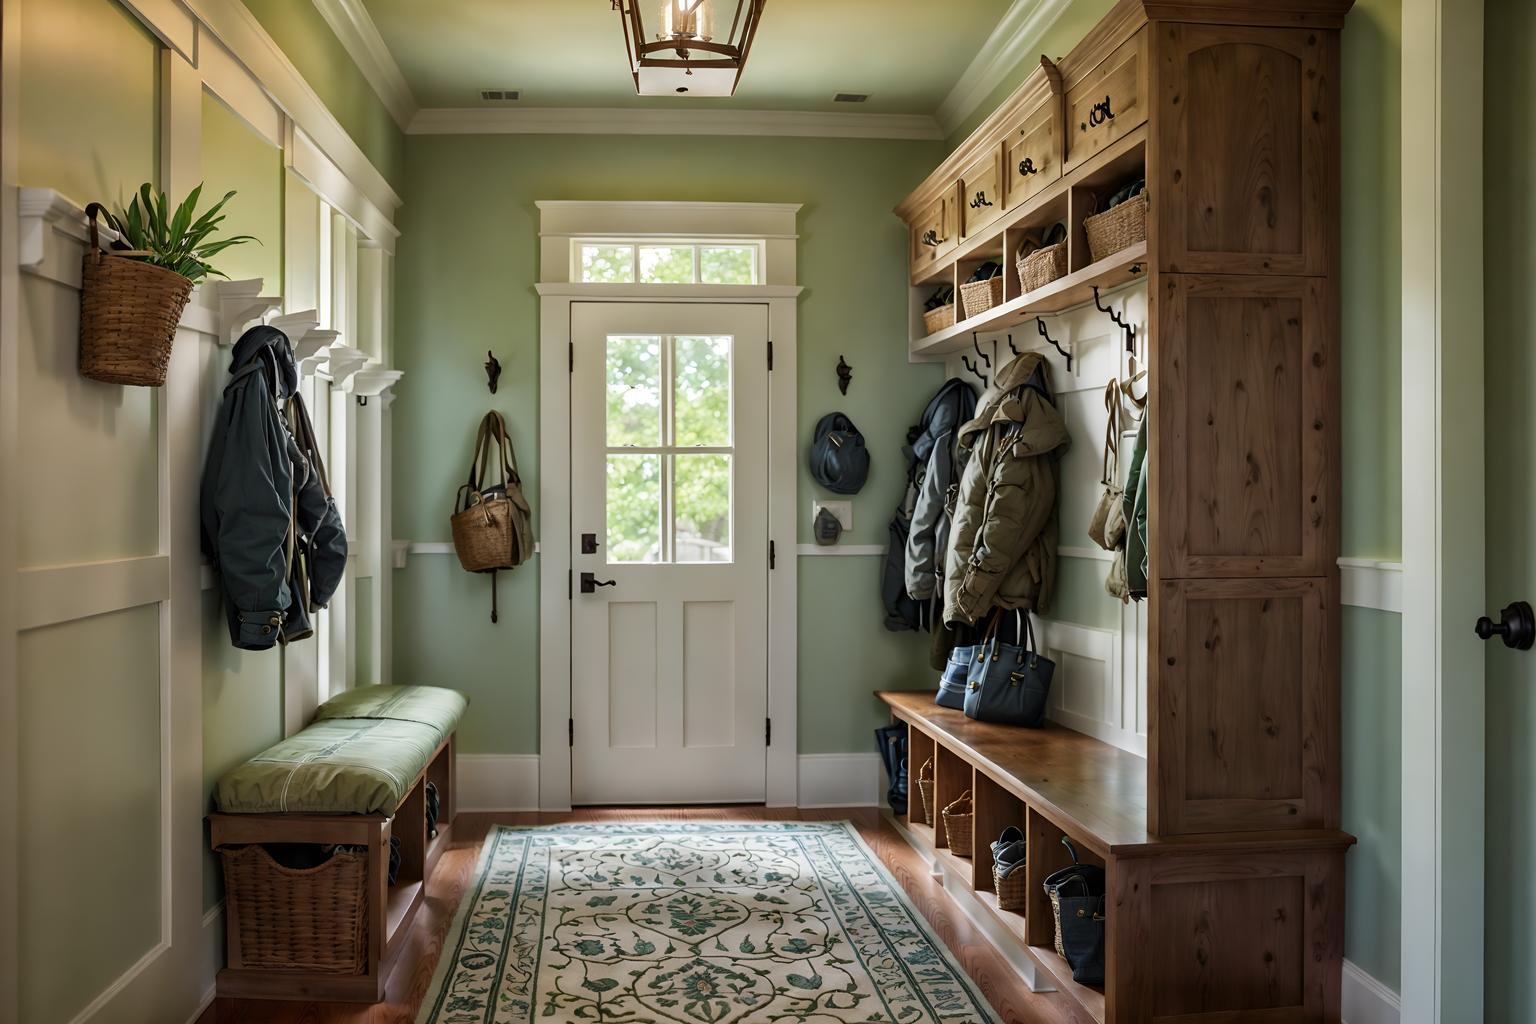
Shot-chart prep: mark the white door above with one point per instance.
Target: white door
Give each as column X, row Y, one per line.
column 669, row 549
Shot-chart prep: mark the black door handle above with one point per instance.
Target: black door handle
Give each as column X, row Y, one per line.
column 590, row 582
column 1516, row 626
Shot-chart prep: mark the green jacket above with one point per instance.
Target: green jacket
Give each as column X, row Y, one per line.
column 1002, row 550
column 1136, row 517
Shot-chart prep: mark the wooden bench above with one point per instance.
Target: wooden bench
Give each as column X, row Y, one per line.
column 1222, row 927
column 389, row 909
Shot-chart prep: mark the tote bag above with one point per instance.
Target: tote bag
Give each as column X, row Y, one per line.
column 1009, row 683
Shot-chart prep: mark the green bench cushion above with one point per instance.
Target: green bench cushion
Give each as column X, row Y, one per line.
column 361, row 755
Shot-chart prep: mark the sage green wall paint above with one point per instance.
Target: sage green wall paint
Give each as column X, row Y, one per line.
column 307, row 41
column 1080, row 594
column 1372, row 743
column 242, row 712
column 235, row 157
column 90, row 785
column 89, row 127
column 465, row 283
column 1510, row 360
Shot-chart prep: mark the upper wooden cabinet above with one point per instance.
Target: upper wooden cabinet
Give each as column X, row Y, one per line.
column 1109, row 102
column 933, row 231
column 1245, row 147
column 1033, row 157
column 981, row 194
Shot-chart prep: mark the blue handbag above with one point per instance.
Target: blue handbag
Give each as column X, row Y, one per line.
column 1009, row 683
column 956, row 673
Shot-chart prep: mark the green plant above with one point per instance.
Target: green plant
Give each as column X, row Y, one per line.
column 173, row 240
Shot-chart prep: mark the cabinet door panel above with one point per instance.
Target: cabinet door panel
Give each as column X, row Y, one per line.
column 1245, row 151
column 1033, row 160
column 1245, row 428
column 932, row 234
column 1109, row 102
column 1247, row 708
column 981, row 193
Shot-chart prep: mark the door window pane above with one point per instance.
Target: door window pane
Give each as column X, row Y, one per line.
column 634, row 508
column 702, row 391
column 608, row 264
column 702, row 499
column 728, row 264
column 666, row 264
column 634, row 392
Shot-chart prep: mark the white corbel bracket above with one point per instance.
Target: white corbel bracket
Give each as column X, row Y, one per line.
column 240, row 304
column 401, row 551
column 339, row 362
column 43, row 217
column 312, row 350
column 375, row 382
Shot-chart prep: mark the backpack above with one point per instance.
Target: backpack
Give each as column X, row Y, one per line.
column 839, row 460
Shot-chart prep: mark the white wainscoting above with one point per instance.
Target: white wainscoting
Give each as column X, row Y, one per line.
column 1368, row 1001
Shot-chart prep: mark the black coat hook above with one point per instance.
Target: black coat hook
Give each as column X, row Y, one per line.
column 985, row 359
column 1015, row 351
column 1129, row 329
column 966, row 360
column 492, row 371
column 1040, row 324
column 844, row 374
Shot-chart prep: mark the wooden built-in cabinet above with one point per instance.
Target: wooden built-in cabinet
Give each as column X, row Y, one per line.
column 1222, row 847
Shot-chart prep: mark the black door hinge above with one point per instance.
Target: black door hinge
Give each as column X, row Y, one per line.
column 773, row 555
column 770, row 357
column 570, row 732
column 768, row 732
column 568, row 592
column 572, row 367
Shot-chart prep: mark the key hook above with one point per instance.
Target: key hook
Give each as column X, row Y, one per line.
column 1040, row 324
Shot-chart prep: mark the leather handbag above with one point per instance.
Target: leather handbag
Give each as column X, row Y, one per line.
column 1076, row 893
column 1009, row 683
column 1107, row 528
column 492, row 523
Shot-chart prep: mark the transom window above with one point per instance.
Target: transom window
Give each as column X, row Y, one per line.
column 669, row 448
column 662, row 261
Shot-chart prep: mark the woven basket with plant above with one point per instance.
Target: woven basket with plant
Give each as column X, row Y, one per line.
column 132, row 296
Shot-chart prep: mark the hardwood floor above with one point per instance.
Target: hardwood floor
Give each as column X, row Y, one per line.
column 408, row 984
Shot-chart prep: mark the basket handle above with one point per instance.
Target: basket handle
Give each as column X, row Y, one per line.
column 95, row 235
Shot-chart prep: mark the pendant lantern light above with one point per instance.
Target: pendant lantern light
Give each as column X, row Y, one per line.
column 688, row 47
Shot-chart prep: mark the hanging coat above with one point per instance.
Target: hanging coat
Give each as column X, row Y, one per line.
column 1002, row 550
column 938, row 469
column 268, row 526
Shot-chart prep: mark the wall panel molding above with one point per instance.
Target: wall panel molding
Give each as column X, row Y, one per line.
column 53, row 594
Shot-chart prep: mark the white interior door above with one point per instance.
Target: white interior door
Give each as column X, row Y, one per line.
column 669, row 549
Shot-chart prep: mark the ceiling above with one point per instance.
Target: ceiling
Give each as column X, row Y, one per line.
column 906, row 54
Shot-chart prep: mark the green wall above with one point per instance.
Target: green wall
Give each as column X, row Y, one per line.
column 465, row 284
column 313, row 48
column 1510, row 360
column 236, row 158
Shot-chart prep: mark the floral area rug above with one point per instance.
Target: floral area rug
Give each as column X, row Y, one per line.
column 721, row 923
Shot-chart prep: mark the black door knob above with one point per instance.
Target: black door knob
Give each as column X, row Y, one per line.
column 590, row 582
column 1516, row 626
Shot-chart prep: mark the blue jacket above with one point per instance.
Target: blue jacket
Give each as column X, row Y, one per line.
column 270, row 526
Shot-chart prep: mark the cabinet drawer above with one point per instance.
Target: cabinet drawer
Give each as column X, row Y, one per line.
column 1033, row 157
column 933, row 234
column 981, row 193
column 1110, row 102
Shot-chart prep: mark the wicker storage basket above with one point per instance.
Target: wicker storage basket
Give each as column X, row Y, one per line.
column 1117, row 227
column 957, row 825
column 935, row 320
column 1042, row 266
column 1012, row 890
column 925, row 793
column 299, row 919
column 980, row 296
column 129, row 310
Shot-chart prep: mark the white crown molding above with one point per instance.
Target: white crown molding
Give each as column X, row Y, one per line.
column 650, row 121
column 1010, row 42
column 360, row 37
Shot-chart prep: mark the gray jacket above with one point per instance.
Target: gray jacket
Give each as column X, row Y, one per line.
column 270, row 527
column 934, row 450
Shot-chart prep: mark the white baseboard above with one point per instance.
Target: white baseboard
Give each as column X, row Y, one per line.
column 498, row 782
column 1366, row 1000
column 840, row 780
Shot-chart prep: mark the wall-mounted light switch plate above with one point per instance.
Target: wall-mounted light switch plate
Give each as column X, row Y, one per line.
column 843, row 510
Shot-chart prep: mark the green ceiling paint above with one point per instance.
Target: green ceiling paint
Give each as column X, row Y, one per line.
column 906, row 54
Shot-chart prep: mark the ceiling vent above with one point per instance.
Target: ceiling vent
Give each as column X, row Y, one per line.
column 850, row 97
column 498, row 95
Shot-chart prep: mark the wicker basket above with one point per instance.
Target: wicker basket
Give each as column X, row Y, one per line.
column 1117, row 227
column 935, row 320
column 925, row 792
column 1012, row 889
column 980, row 296
column 1042, row 266
column 129, row 310
column 958, row 817
column 298, row 919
